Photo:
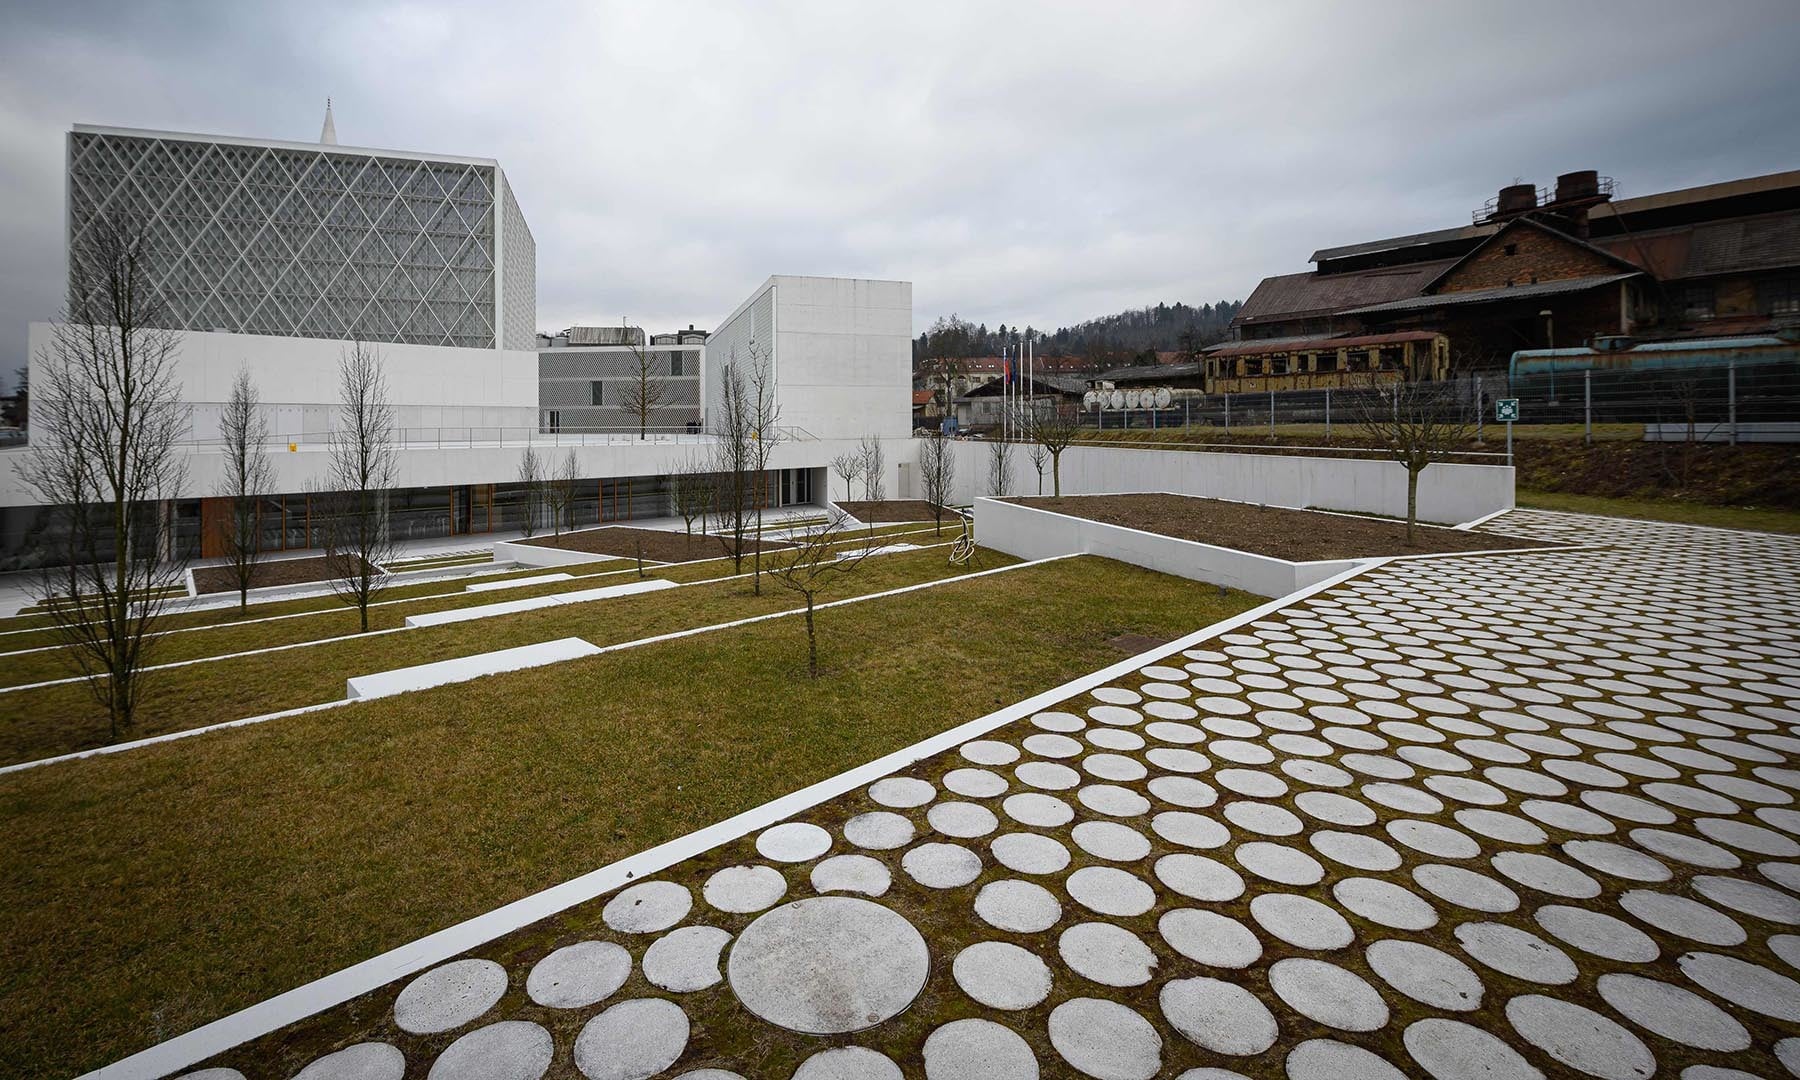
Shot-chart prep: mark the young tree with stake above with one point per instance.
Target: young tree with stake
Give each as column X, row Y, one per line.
column 848, row 467
column 1055, row 429
column 1417, row 423
column 692, row 489
column 360, row 473
column 645, row 391
column 811, row 565
column 562, row 494
column 531, row 489
column 106, row 417
column 733, row 458
column 247, row 479
column 874, row 469
column 765, row 417
column 937, row 472
column 999, row 471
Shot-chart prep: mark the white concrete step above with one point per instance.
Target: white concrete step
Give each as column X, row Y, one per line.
column 464, row 668
column 533, row 603
column 515, row 583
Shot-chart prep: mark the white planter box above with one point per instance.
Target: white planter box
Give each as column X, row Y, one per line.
column 535, row 555
column 1030, row 533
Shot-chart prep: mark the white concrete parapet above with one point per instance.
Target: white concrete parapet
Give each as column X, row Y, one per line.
column 464, row 668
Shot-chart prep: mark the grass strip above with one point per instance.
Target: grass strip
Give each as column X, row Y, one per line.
column 1680, row 511
column 44, row 721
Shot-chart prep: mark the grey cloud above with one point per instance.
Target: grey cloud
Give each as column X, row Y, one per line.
column 1021, row 163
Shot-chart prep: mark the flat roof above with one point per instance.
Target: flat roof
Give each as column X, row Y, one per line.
column 281, row 144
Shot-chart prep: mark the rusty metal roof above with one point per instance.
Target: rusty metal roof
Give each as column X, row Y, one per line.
column 1496, row 295
column 1296, row 295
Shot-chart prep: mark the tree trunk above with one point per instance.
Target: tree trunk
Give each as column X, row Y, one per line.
column 1412, row 502
column 812, row 642
column 1056, row 474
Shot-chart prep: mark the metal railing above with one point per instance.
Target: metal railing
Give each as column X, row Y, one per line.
column 477, row 437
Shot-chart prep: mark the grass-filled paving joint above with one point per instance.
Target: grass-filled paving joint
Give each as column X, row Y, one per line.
column 152, row 891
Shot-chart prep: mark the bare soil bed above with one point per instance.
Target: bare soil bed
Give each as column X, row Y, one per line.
column 216, row 579
column 658, row 546
column 891, row 510
column 1293, row 535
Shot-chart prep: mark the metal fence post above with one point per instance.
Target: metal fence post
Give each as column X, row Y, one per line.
column 1731, row 396
column 1227, row 412
column 1587, row 405
column 1271, row 413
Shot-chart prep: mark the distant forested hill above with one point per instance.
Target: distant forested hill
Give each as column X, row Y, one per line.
column 1127, row 337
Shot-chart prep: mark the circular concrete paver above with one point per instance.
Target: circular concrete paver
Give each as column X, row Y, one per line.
column 1105, row 1040
column 576, row 976
column 1018, row 906
column 792, row 842
column 633, row 1040
column 1328, row 994
column 1001, row 975
column 449, row 996
column 648, row 907
column 847, row 1063
column 1107, row 954
column 1580, row 1038
column 978, row 1050
column 743, row 889
column 508, row 1050
column 828, row 965
column 941, row 866
column 1219, row 1016
column 852, row 873
column 687, row 959
column 364, row 1061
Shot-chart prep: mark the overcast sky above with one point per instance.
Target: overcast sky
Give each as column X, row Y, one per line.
column 1033, row 163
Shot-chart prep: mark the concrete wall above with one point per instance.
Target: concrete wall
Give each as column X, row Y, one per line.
column 1030, row 533
column 430, row 466
column 430, row 386
column 1448, row 494
column 840, row 350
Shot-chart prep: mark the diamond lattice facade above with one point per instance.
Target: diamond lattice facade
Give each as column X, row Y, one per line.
column 323, row 241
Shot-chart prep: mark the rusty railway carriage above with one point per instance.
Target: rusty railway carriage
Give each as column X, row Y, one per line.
column 1319, row 363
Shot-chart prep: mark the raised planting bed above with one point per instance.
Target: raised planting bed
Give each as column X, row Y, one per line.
column 217, row 579
column 1278, row 532
column 618, row 541
column 1271, row 550
column 888, row 510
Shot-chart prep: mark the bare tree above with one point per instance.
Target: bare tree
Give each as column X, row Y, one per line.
column 1040, row 457
column 765, row 417
column 1417, row 423
column 246, row 480
column 358, row 477
column 874, row 469
column 848, row 466
column 560, row 493
column 646, row 391
column 103, row 462
column 810, row 566
column 531, row 489
column 999, row 471
column 1055, row 429
column 733, row 455
column 937, row 472
column 692, row 487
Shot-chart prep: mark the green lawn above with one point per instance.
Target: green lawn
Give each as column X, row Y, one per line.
column 1678, row 510
column 152, row 891
column 51, row 720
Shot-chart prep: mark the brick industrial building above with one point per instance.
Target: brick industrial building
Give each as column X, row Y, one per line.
column 1534, row 269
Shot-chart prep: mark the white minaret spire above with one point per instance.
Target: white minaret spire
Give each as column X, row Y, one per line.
column 328, row 133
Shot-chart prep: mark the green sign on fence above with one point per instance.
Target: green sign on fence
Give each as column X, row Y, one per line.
column 1506, row 410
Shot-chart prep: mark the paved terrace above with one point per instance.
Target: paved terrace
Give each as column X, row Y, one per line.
column 1505, row 816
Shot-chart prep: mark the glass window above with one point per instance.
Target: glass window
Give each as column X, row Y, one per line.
column 675, row 364
column 595, row 389
column 1780, row 296
column 1695, row 301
